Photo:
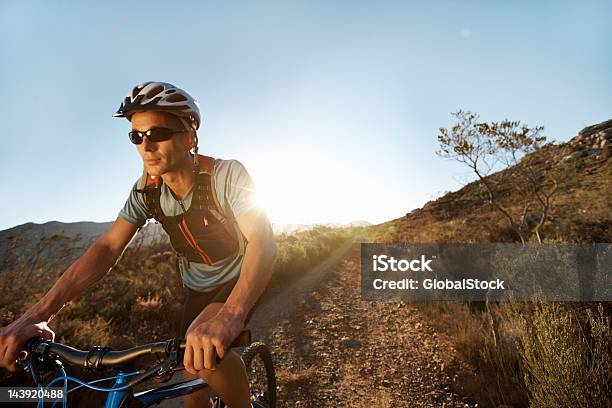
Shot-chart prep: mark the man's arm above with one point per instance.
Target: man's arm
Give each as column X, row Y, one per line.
column 256, row 268
column 85, row 271
column 218, row 332
column 82, row 274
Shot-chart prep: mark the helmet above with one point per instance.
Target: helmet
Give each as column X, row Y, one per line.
column 160, row 96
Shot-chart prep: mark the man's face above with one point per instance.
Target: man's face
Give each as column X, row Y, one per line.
column 162, row 157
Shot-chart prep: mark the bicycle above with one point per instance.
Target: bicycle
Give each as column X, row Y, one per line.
column 45, row 362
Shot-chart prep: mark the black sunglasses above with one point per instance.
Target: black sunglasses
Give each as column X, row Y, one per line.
column 154, row 135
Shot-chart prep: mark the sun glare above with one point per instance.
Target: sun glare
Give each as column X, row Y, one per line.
column 302, row 189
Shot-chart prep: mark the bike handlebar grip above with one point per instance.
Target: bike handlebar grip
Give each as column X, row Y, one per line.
column 32, row 343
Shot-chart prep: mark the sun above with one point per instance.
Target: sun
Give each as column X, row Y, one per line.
column 294, row 188
column 305, row 187
column 283, row 194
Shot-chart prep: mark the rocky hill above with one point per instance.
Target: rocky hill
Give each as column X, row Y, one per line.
column 580, row 209
column 54, row 245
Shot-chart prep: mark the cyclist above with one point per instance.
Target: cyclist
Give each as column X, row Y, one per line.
column 224, row 242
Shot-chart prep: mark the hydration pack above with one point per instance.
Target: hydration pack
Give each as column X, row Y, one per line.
column 204, row 233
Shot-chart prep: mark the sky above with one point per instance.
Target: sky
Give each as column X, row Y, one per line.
column 333, row 107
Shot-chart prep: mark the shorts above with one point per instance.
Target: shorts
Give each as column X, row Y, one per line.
column 196, row 301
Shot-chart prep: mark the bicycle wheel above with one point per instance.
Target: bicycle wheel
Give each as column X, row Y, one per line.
column 260, row 372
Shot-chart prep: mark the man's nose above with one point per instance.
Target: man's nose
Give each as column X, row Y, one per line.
column 148, row 145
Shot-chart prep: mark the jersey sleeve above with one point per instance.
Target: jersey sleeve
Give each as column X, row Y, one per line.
column 135, row 210
column 239, row 189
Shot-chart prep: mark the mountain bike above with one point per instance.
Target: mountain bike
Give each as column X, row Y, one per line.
column 45, row 362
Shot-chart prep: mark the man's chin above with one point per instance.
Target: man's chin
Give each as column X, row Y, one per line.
column 154, row 170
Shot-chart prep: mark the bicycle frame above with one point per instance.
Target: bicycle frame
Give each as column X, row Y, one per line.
column 45, row 356
column 115, row 398
column 121, row 399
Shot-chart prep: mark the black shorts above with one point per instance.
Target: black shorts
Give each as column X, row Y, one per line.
column 196, row 301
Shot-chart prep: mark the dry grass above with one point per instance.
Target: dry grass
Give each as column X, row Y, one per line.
column 560, row 349
column 486, row 339
column 299, row 252
column 140, row 300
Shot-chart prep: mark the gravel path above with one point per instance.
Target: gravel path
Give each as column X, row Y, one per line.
column 332, row 349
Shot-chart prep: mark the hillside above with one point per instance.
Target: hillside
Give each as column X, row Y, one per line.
column 525, row 353
column 580, row 212
column 53, row 246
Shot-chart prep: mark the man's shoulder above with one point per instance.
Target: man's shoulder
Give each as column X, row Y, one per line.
column 227, row 163
column 225, row 168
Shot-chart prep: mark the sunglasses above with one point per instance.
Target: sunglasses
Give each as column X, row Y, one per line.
column 154, row 135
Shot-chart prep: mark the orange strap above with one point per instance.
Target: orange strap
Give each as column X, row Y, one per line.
column 192, row 242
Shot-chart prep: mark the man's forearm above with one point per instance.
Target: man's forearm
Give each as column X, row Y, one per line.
column 83, row 273
column 254, row 277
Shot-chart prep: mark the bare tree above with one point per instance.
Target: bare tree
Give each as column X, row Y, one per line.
column 488, row 147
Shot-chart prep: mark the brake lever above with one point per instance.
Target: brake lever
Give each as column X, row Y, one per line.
column 174, row 352
column 168, row 366
column 163, row 371
column 42, row 367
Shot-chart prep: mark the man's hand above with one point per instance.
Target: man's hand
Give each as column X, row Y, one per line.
column 14, row 336
column 208, row 339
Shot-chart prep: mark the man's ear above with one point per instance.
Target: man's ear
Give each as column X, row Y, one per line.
column 190, row 140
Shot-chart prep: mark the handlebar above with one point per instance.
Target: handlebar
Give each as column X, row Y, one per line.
column 99, row 358
column 104, row 357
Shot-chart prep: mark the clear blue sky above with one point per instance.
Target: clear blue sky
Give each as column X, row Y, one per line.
column 333, row 107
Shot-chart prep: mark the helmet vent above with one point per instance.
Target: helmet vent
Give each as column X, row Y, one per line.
column 176, row 98
column 154, row 91
column 135, row 91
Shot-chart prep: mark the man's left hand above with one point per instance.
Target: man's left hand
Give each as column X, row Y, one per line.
column 208, row 339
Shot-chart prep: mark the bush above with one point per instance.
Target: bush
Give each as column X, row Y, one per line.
column 567, row 364
column 296, row 253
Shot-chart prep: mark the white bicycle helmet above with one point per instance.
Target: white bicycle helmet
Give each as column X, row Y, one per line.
column 160, row 96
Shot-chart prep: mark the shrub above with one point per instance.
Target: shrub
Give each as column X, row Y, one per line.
column 567, row 364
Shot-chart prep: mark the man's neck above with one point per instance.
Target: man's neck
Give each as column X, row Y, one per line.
column 180, row 181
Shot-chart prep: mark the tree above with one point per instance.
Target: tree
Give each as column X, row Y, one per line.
column 487, row 147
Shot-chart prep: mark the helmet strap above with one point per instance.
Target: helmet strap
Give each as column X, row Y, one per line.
column 196, row 164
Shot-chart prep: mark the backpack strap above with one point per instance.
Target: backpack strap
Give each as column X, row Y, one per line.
column 150, row 187
column 206, row 197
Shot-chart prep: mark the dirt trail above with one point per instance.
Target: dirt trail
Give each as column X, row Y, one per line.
column 332, row 349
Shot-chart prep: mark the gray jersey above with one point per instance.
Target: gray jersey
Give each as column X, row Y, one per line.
column 235, row 189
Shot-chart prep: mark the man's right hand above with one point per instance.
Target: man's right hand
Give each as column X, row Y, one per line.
column 14, row 336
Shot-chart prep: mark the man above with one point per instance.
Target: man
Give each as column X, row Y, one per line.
column 224, row 241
